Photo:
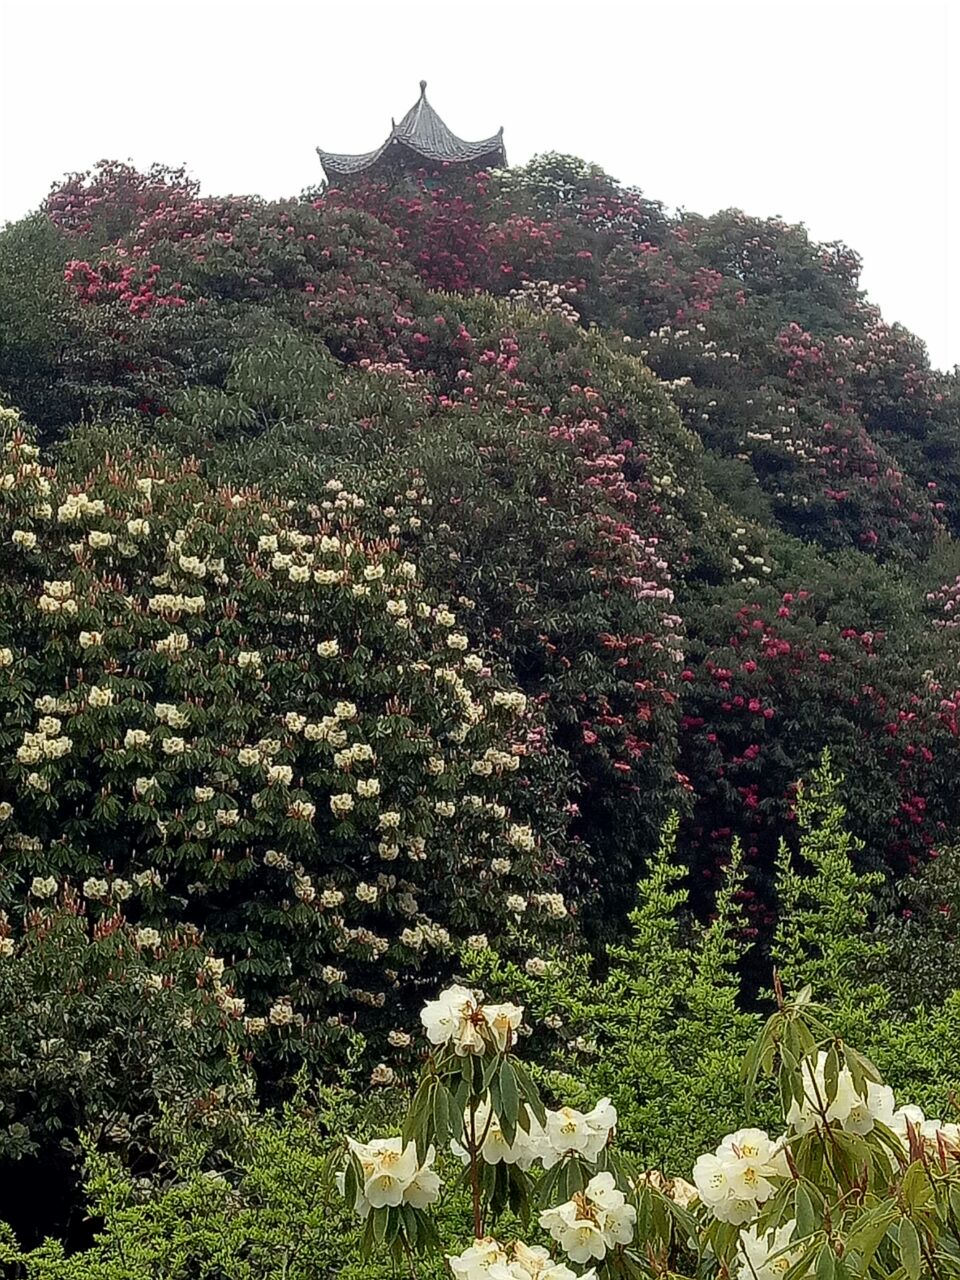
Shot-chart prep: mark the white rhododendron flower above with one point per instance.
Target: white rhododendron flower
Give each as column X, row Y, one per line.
column 503, row 1021
column 392, row 1175
column 457, row 1017
column 533, row 1262
column 735, row 1180
column 525, row 1150
column 766, row 1257
column 910, row 1124
column 454, row 1017
column 487, row 1260
column 281, row 1014
column 582, row 1133
column 475, row 1262
column 595, row 1220
column 849, row 1109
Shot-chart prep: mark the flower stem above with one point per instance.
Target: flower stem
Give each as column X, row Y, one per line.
column 475, row 1174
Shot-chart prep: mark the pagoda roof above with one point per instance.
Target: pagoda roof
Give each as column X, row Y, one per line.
column 421, row 134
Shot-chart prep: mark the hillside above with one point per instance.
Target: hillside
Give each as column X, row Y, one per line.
column 381, row 569
column 719, row 570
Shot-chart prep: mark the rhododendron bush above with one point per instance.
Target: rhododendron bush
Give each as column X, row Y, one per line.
column 854, row 1185
column 256, row 718
column 111, row 1031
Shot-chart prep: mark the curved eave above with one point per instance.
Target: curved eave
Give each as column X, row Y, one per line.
column 489, row 152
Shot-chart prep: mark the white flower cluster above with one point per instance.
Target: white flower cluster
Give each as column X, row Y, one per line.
column 849, row 1109
column 767, row 1256
column 487, row 1260
column 392, row 1175
column 914, row 1129
column 77, row 506
column 174, row 604
column 57, row 598
column 566, row 1132
column 459, row 1018
column 46, row 744
column 735, row 1180
column 595, row 1220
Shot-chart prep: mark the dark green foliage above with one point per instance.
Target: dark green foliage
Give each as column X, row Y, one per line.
column 102, row 1032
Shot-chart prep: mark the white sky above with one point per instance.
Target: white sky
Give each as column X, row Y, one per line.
column 839, row 115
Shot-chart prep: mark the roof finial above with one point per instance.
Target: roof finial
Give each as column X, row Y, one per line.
column 423, row 88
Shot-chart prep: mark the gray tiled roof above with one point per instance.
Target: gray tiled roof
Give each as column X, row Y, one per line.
column 422, row 132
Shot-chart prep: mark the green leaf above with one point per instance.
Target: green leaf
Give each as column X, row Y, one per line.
column 831, row 1074
column 509, row 1095
column 441, row 1117
column 910, row 1249
column 803, row 1212
column 381, row 1220
column 826, row 1264
column 916, row 1190
column 955, row 1205
column 531, row 1094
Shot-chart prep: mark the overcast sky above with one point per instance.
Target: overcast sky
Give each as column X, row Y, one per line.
column 839, row 115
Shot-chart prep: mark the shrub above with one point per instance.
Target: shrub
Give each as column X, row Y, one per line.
column 920, row 933
column 105, row 1025
column 854, row 1186
column 261, row 717
column 272, row 1213
column 672, row 996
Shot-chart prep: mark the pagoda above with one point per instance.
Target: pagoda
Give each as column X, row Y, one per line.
column 421, row 140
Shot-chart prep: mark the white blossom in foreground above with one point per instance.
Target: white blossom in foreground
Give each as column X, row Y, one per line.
column 392, row 1175
column 850, row 1110
column 488, row 1260
column 457, row 1017
column 476, row 1260
column 766, row 1257
column 594, row 1221
column 735, row 1180
column 938, row 1139
column 527, row 1146
column 583, row 1133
